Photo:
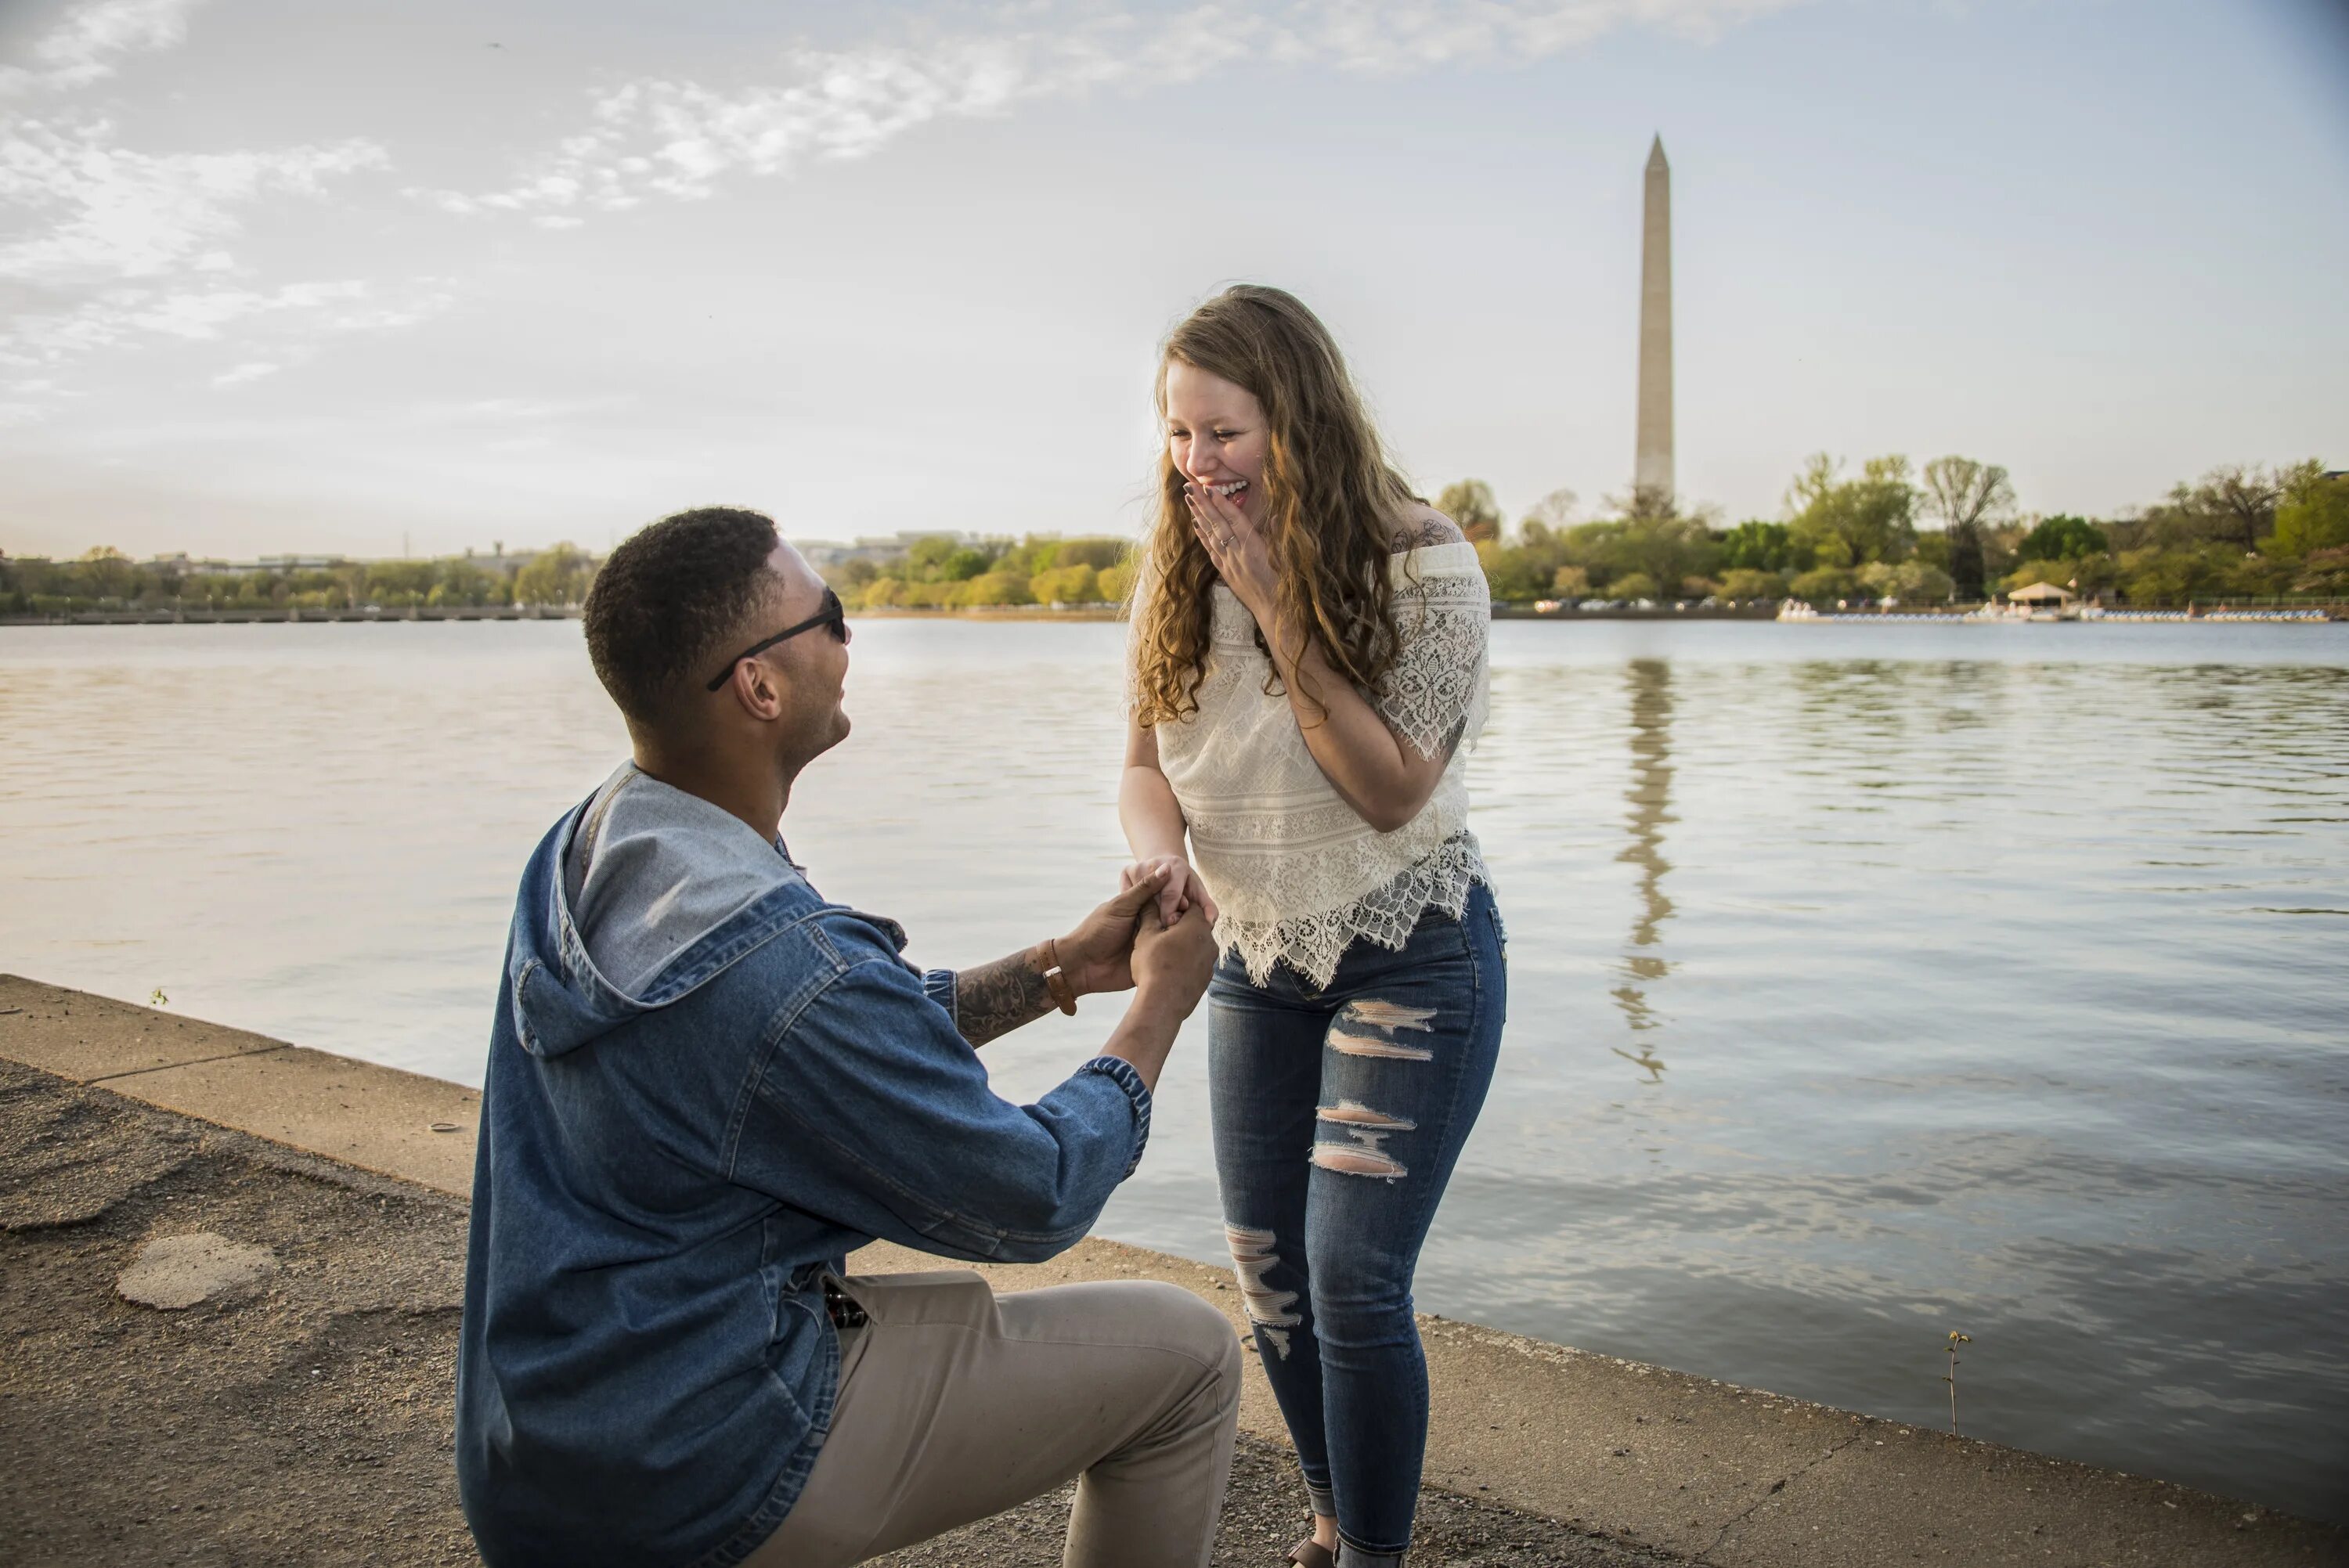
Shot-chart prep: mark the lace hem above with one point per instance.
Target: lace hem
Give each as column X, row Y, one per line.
column 1312, row 944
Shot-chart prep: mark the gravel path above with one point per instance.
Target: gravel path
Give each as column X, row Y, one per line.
column 303, row 1415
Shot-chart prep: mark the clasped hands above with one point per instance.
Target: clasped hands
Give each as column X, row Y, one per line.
column 1157, row 930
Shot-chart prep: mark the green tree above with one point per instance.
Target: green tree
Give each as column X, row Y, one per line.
column 557, row 575
column 1748, row 582
column 1968, row 497
column 1848, row 522
column 1078, row 584
column 1758, row 546
column 1821, row 583
column 1668, row 550
column 1470, row 503
column 105, row 573
column 2063, row 538
column 1513, row 575
column 1099, row 553
column 965, row 564
column 2324, row 573
column 993, row 588
column 2314, row 512
column 398, row 582
column 2235, row 504
column 1634, row 585
column 2174, row 575
column 926, row 554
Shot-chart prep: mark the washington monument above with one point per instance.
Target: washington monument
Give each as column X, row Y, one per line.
column 1652, row 470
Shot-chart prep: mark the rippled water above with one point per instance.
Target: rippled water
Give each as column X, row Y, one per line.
column 1868, row 982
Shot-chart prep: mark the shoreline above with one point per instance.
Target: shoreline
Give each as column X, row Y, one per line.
column 2213, row 615
column 1687, row 1467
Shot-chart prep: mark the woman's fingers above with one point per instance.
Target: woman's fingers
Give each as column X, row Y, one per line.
column 1176, row 892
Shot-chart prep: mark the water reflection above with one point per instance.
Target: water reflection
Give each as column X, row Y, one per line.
column 1650, row 797
column 2018, row 992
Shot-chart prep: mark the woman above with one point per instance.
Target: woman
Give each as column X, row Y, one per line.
column 1307, row 661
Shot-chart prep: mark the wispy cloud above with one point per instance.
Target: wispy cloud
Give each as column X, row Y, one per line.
column 106, row 212
column 81, row 48
column 300, row 315
column 251, row 370
column 131, row 245
column 654, row 138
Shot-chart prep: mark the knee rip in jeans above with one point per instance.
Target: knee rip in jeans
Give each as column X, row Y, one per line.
column 1387, row 1018
column 1270, row 1310
column 1368, row 1129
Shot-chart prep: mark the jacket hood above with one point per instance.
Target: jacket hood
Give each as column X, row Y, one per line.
column 562, row 1000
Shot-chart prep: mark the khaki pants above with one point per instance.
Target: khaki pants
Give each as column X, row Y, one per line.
column 957, row 1404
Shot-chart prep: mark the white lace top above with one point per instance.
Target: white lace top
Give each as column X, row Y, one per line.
column 1296, row 873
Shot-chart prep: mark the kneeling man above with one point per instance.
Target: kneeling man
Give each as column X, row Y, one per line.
column 706, row 1085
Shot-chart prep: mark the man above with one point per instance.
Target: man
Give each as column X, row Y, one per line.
column 706, row 1085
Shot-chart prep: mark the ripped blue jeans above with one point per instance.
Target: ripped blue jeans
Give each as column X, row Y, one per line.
column 1338, row 1114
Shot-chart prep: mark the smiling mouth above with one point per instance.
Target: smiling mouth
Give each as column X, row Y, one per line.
column 1231, row 489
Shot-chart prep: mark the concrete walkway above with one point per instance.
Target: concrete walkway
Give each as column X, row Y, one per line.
column 315, row 1393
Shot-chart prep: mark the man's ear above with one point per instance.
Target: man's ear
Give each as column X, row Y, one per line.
column 758, row 689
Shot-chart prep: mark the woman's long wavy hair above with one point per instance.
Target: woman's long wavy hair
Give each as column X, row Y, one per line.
column 1331, row 504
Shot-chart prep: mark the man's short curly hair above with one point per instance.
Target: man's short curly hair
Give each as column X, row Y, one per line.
column 667, row 600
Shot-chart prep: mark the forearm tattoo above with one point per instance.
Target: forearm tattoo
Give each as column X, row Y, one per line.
column 996, row 998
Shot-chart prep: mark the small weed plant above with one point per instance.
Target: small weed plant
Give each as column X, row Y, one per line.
column 1955, row 1339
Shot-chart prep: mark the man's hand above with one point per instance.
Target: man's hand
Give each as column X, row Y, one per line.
column 1097, row 955
column 1173, row 963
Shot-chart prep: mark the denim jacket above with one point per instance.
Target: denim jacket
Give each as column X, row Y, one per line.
column 646, row 1371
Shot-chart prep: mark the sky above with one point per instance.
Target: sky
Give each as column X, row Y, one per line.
column 409, row 276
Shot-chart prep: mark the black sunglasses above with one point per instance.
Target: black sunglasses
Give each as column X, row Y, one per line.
column 833, row 617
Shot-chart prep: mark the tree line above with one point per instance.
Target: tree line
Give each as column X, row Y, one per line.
column 106, row 579
column 1948, row 533
column 941, row 573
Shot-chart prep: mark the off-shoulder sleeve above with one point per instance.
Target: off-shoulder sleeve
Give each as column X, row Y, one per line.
column 1437, row 689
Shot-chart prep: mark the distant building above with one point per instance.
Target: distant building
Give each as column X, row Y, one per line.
column 831, row 552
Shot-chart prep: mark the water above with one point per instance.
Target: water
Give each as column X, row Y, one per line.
column 1868, row 982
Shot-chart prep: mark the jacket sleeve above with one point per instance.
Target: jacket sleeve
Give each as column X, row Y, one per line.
column 871, row 1110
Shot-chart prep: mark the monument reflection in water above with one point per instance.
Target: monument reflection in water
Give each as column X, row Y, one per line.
column 1650, row 797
